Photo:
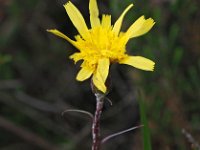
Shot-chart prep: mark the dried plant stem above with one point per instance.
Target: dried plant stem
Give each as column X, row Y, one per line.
column 78, row 111
column 96, row 122
column 191, row 139
column 119, row 133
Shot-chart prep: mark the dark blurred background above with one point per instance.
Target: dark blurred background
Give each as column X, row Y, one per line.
column 37, row 79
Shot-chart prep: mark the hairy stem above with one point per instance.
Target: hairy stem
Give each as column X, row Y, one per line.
column 96, row 122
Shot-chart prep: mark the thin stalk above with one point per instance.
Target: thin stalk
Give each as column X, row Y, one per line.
column 119, row 133
column 96, row 140
column 78, row 111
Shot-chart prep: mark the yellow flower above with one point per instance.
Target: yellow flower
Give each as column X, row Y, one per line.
column 103, row 43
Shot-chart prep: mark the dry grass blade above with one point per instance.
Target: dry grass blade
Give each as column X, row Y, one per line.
column 79, row 111
column 119, row 133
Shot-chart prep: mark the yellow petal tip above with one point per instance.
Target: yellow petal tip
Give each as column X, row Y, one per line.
column 103, row 89
column 139, row 62
column 50, row 30
column 153, row 67
column 67, row 3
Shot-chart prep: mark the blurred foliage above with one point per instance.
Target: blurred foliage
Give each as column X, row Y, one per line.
column 146, row 135
column 37, row 80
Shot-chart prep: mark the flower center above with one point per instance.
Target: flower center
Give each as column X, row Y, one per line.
column 102, row 43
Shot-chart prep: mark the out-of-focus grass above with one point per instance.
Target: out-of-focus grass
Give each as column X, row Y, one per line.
column 39, row 62
column 5, row 70
column 146, row 137
column 173, row 88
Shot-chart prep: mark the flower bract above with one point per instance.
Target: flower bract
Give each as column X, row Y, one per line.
column 103, row 44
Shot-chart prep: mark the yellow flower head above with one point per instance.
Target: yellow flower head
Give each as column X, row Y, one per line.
column 103, row 43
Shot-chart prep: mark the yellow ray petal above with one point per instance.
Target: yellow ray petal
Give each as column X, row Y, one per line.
column 140, row 27
column 76, row 57
column 94, row 13
column 139, row 62
column 60, row 34
column 103, row 68
column 99, row 84
column 84, row 74
column 77, row 19
column 101, row 74
column 106, row 21
column 118, row 23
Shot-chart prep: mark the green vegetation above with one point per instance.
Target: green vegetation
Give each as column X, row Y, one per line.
column 37, row 79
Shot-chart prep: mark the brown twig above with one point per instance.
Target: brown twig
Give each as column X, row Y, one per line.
column 26, row 135
column 12, row 103
column 190, row 138
column 10, row 84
